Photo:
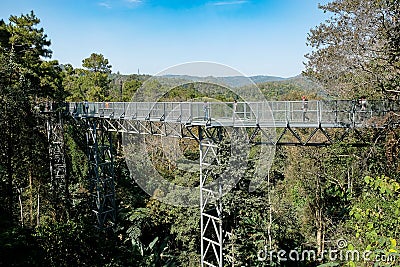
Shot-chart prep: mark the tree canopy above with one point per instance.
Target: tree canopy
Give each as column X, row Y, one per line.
column 356, row 51
column 97, row 63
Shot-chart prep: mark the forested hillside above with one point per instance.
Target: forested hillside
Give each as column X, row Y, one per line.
column 317, row 199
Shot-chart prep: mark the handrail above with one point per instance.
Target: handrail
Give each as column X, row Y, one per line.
column 318, row 112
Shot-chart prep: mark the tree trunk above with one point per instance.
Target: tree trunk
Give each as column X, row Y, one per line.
column 9, row 168
column 269, row 213
column 319, row 232
column 38, row 208
column 30, row 198
column 21, row 210
column 319, row 219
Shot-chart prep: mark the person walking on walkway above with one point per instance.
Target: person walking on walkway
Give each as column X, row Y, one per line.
column 86, row 107
column 206, row 110
column 305, row 108
column 363, row 103
column 234, row 106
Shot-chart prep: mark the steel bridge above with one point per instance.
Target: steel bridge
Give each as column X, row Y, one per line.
column 205, row 122
column 276, row 114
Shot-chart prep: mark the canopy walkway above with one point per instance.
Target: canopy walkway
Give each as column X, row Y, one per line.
column 205, row 123
column 271, row 114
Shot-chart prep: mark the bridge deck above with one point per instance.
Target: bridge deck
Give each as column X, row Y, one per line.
column 278, row 114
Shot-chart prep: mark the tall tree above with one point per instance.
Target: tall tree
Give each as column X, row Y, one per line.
column 97, row 63
column 24, row 77
column 91, row 83
column 356, row 51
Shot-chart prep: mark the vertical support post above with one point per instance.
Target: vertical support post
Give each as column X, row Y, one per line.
column 191, row 111
column 101, row 173
column 210, row 203
column 287, row 112
column 58, row 167
column 336, row 112
column 319, row 113
column 120, row 90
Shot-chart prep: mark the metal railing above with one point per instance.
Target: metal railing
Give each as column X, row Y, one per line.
column 329, row 113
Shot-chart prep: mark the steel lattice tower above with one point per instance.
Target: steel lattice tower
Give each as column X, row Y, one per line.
column 101, row 173
column 58, row 167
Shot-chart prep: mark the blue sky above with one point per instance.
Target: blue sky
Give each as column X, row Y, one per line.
column 255, row 37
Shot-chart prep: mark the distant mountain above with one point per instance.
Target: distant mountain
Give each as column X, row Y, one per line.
column 232, row 81
column 274, row 88
column 263, row 79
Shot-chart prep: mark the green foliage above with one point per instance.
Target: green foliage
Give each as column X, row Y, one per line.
column 78, row 244
column 375, row 216
column 148, row 248
column 356, row 50
column 96, row 63
column 185, row 92
column 292, row 89
column 25, row 77
column 19, row 247
column 92, row 83
column 23, row 47
column 129, row 89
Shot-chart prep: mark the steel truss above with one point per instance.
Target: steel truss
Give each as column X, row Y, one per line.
column 210, row 198
column 58, row 167
column 319, row 136
column 101, row 172
column 211, row 189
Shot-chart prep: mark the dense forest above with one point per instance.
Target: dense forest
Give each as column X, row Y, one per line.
column 313, row 198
